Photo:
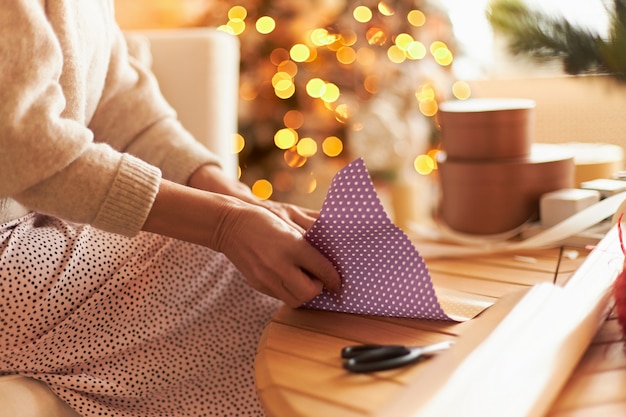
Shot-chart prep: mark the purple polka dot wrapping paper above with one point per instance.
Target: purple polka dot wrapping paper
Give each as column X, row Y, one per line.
column 382, row 272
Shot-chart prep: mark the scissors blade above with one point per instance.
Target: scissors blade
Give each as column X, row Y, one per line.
column 436, row 347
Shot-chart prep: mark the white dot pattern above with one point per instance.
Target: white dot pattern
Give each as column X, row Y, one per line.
column 141, row 327
column 382, row 272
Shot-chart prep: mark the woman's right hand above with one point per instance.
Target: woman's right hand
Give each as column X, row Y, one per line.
column 271, row 253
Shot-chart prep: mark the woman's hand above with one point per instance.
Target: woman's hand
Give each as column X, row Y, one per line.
column 212, row 178
column 273, row 255
column 270, row 252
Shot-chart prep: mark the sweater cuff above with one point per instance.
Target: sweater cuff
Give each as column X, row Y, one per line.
column 130, row 198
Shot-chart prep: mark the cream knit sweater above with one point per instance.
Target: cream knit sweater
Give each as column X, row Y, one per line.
column 83, row 127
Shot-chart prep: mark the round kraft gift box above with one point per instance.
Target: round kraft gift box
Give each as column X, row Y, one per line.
column 482, row 129
column 496, row 197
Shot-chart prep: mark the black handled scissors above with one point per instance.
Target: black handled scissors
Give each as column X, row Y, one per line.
column 372, row 358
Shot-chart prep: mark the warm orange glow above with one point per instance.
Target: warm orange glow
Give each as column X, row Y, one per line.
column 342, row 113
column 371, row 84
column 404, row 41
column 316, row 87
column 237, row 13
column 331, row 93
column 365, row 57
column 285, row 138
column 416, row 18
column 265, row 25
column 424, row 164
column 376, row 36
column 346, row 55
column 429, row 107
column 362, row 14
column 461, row 90
column 278, row 56
column 262, row 189
column 293, row 158
column 300, row 52
column 307, row 147
column 396, row 54
column 416, row 50
column 385, row 9
column 293, row 119
column 312, row 186
column 238, row 143
column 332, row 146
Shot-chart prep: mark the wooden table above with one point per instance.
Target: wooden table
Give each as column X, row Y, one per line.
column 299, row 371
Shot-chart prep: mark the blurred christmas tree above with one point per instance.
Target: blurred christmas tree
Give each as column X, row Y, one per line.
column 543, row 37
column 323, row 81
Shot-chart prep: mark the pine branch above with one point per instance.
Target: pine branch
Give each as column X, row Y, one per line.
column 542, row 37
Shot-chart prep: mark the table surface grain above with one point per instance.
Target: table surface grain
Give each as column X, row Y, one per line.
column 298, row 370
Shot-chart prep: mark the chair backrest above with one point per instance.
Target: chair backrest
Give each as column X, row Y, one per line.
column 198, row 71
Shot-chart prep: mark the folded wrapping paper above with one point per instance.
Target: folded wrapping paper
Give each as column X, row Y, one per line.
column 382, row 272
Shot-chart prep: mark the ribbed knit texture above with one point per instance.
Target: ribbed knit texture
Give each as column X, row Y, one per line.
column 72, row 103
column 131, row 195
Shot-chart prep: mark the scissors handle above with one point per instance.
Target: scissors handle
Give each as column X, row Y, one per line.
column 358, row 350
column 385, row 357
column 372, row 358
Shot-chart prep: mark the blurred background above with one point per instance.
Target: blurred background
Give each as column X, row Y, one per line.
column 325, row 81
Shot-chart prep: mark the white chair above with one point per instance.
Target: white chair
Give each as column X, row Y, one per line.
column 198, row 70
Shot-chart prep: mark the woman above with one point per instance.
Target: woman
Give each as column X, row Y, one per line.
column 123, row 246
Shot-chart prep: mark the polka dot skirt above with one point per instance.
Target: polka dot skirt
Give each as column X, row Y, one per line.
column 139, row 327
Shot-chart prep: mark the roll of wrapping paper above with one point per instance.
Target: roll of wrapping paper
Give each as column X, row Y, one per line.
column 497, row 196
column 519, row 367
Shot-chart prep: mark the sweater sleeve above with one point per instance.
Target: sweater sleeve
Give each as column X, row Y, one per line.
column 48, row 160
column 133, row 116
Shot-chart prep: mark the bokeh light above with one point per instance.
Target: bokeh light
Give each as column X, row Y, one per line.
column 332, row 146
column 376, row 36
column 404, row 41
column 429, row 107
column 395, row 54
column 307, row 147
column 286, row 138
column 262, row 189
column 461, row 90
column 300, row 52
column 293, row 119
column 293, row 158
column 316, row 87
column 238, row 143
column 424, row 164
column 331, row 93
column 278, row 56
column 342, row 113
column 416, row 18
column 362, row 14
column 236, row 27
column 265, row 25
column 237, row 13
column 416, row 50
column 346, row 55
column 327, row 73
column 385, row 9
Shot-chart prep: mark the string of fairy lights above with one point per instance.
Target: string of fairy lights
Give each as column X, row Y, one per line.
column 349, row 50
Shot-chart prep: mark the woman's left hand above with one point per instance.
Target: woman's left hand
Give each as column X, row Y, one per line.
column 212, row 178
